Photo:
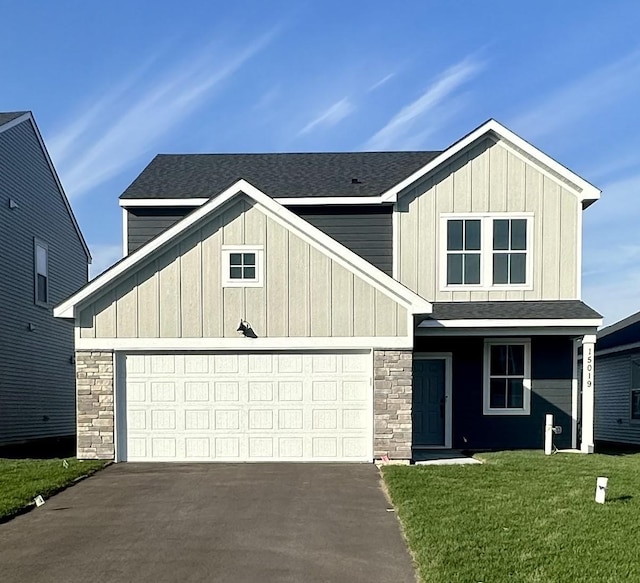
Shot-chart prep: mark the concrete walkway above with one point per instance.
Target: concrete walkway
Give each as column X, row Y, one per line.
column 214, row 523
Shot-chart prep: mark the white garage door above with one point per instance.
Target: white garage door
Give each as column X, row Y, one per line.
column 249, row 407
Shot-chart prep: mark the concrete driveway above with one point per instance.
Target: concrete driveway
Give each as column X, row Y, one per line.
column 214, row 523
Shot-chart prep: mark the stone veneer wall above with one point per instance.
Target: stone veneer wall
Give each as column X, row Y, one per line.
column 94, row 385
column 393, row 370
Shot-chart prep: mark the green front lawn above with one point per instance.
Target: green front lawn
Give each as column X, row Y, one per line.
column 22, row 480
column 521, row 517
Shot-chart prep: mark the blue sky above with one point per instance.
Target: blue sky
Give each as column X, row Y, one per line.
column 114, row 83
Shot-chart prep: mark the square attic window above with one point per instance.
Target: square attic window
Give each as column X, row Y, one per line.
column 242, row 266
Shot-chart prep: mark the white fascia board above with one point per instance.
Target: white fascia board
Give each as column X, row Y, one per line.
column 29, row 117
column 286, row 201
column 125, row 233
column 506, row 323
column 241, row 343
column 151, row 202
column 588, row 192
column 328, row 200
column 520, row 331
column 307, row 232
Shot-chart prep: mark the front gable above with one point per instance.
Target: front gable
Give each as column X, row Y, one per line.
column 312, row 287
column 491, row 178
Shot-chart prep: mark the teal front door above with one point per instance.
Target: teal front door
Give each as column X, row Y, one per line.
column 429, row 402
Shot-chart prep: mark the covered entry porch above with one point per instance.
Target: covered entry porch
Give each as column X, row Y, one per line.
column 488, row 384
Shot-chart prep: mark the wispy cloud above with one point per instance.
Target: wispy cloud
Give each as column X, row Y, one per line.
column 90, row 151
column 330, row 117
column 381, row 82
column 403, row 123
column 583, row 97
column 104, row 256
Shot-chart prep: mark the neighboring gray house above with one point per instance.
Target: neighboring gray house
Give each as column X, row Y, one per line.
column 617, row 378
column 339, row 307
column 44, row 259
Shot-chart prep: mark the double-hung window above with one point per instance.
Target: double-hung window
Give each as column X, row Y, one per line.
column 509, row 251
column 486, row 251
column 507, row 377
column 635, row 390
column 463, row 251
column 242, row 266
column 41, row 272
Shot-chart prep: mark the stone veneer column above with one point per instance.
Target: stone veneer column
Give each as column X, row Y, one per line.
column 94, row 382
column 392, row 403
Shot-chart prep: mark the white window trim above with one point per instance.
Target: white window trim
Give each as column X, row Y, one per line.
column 39, row 243
column 631, row 389
column 526, row 397
column 227, row 250
column 486, row 251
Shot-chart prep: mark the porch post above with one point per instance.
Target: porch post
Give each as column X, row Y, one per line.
column 588, row 398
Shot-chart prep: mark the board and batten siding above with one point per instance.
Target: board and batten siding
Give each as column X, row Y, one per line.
column 37, row 374
column 180, row 293
column 490, row 177
column 613, row 399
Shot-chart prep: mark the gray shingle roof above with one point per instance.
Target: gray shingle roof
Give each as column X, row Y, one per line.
column 6, row 117
column 532, row 310
column 278, row 175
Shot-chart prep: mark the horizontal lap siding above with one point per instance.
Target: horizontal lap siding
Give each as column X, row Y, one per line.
column 37, row 377
column 143, row 224
column 180, row 294
column 613, row 399
column 490, row 177
column 551, row 390
column 366, row 230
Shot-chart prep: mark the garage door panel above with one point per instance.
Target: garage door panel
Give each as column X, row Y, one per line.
column 197, row 448
column 250, row 407
column 324, row 363
column 289, row 364
column 324, row 390
column 197, row 419
column 290, row 391
column 227, row 391
column 260, row 391
column 162, row 364
column 196, row 391
column 225, row 363
column 197, row 364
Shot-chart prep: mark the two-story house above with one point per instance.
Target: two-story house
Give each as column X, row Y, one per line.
column 44, row 260
column 339, row 307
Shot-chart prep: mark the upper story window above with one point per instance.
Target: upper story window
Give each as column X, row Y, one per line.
column 486, row 251
column 463, row 251
column 507, row 380
column 509, row 251
column 635, row 390
column 41, row 272
column 242, row 266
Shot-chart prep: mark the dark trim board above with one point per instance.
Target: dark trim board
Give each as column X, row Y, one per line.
column 551, row 377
